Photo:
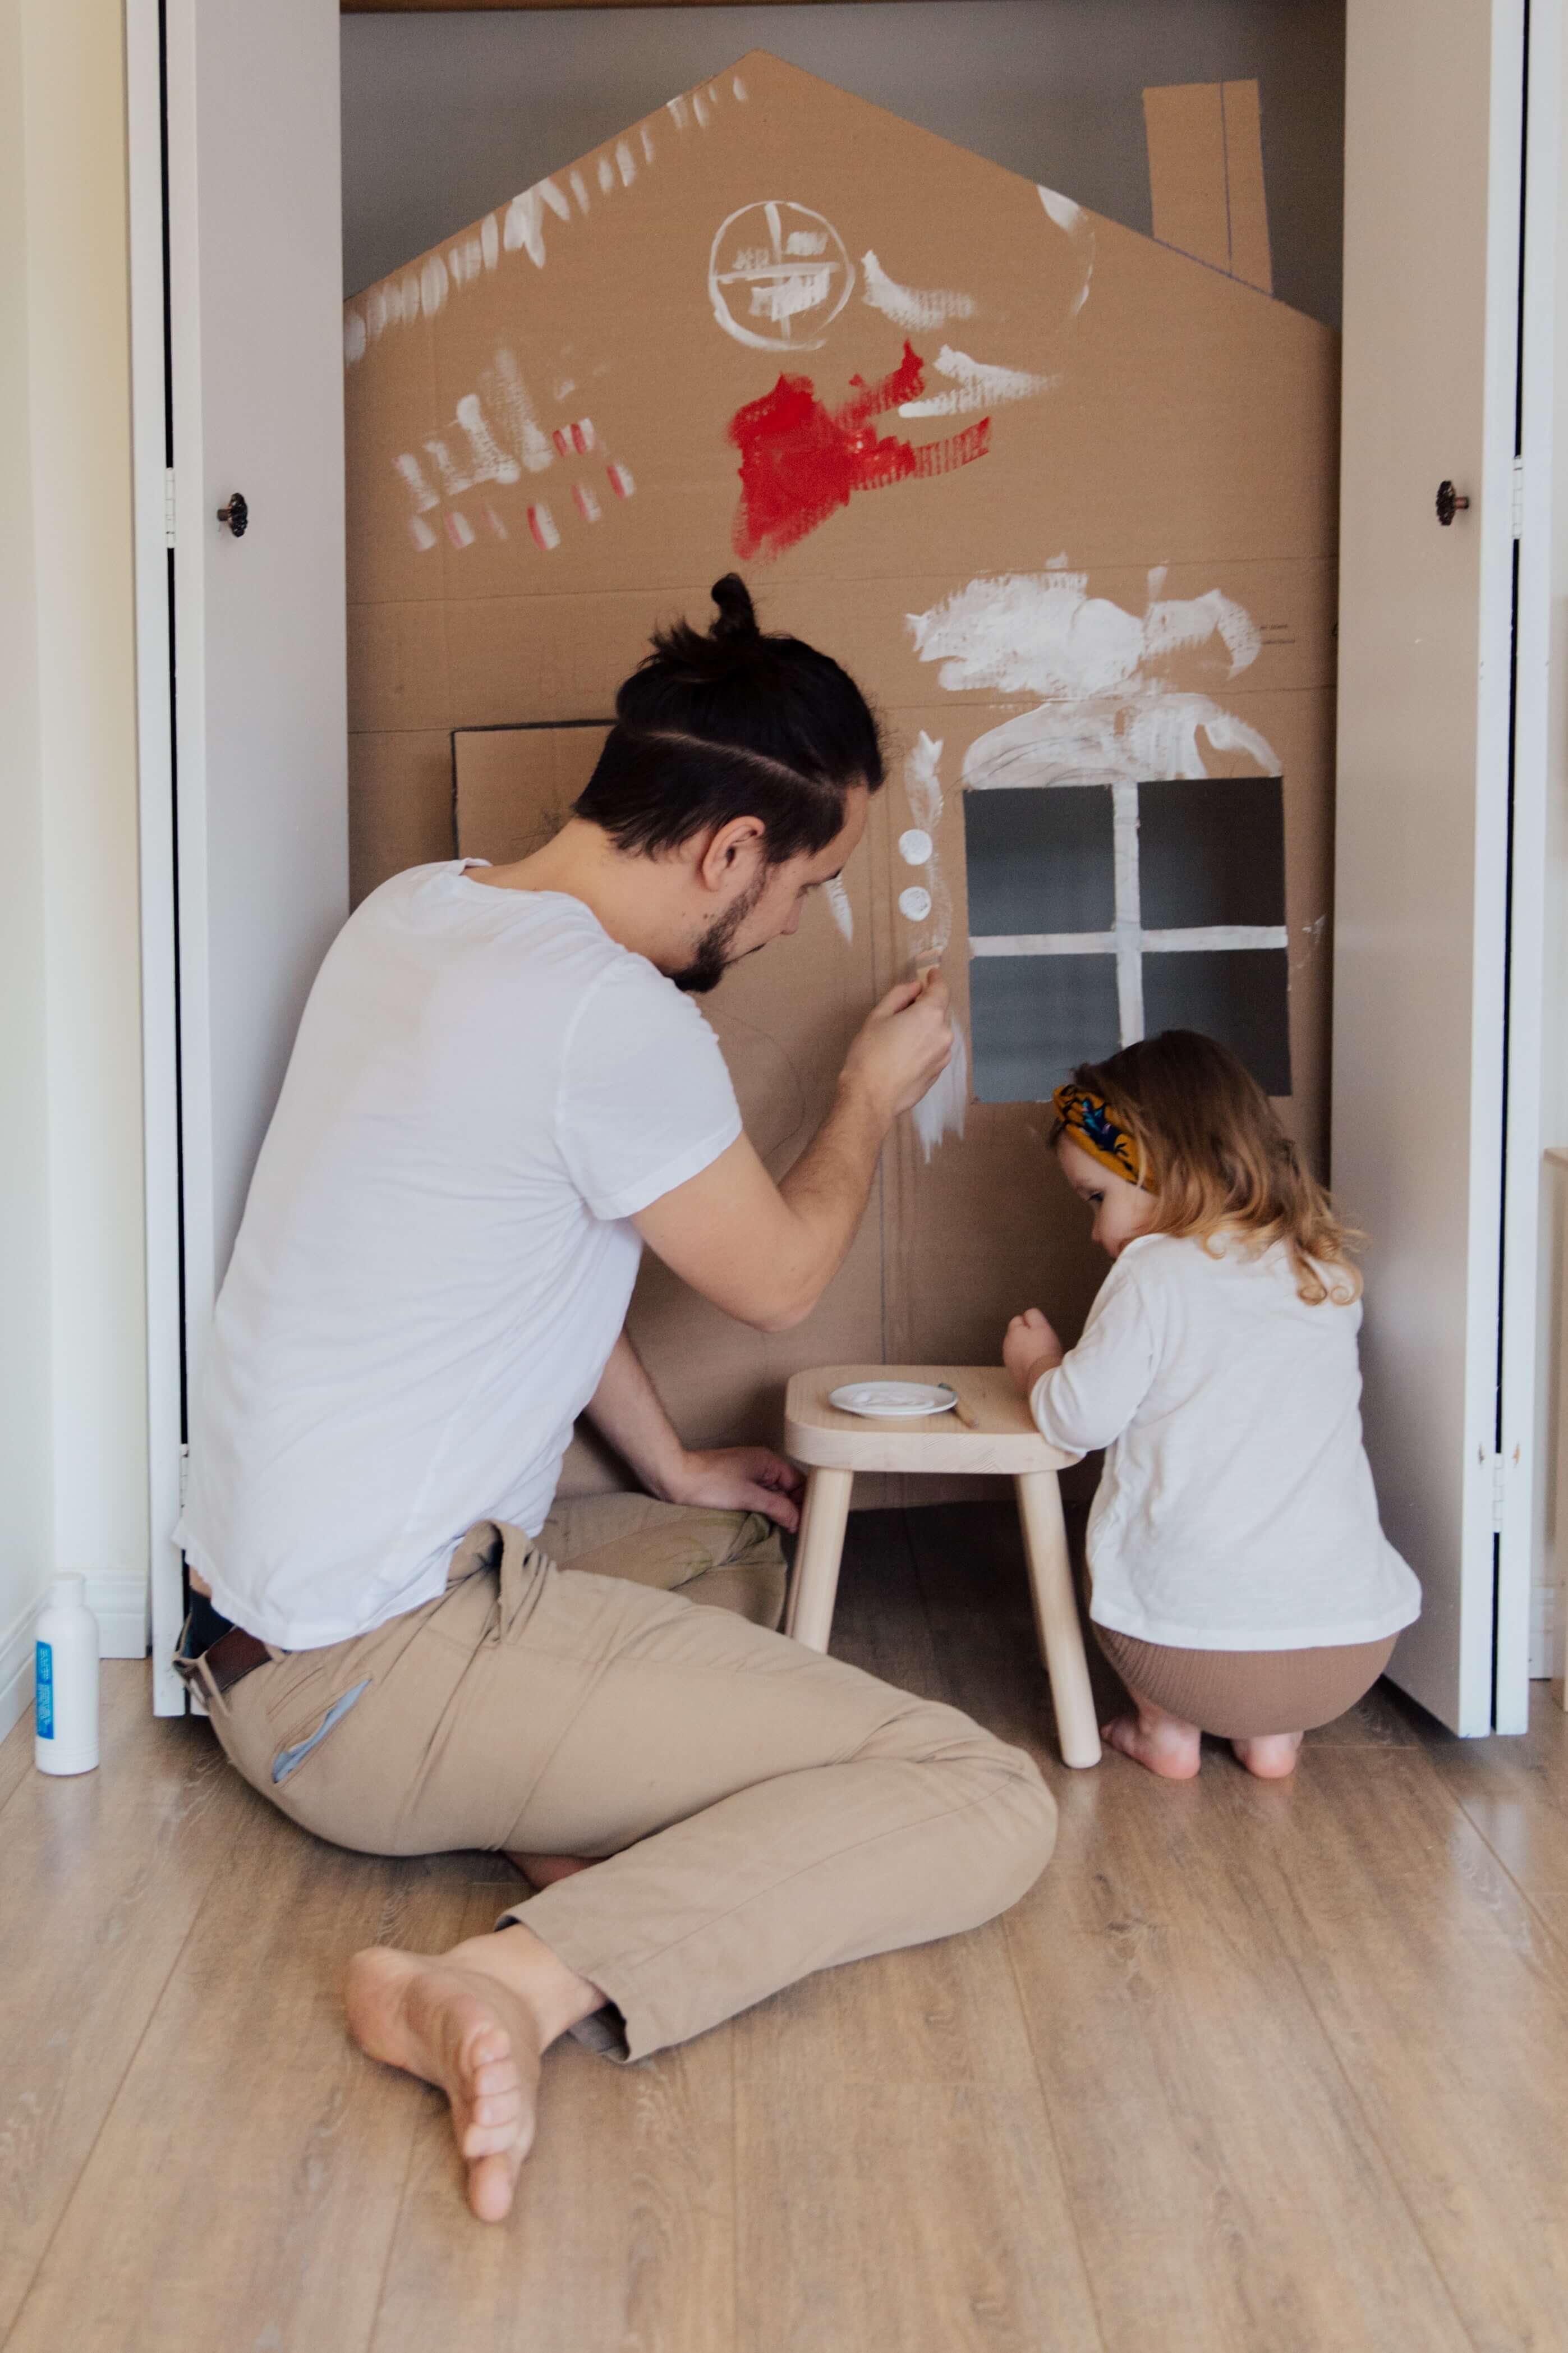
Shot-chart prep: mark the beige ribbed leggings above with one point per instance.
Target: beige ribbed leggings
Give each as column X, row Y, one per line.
column 1243, row 1694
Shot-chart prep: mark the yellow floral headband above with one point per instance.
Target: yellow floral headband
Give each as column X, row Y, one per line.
column 1085, row 1118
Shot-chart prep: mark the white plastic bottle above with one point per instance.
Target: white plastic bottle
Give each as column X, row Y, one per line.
column 65, row 1651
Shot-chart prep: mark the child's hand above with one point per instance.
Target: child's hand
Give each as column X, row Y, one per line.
column 1030, row 1349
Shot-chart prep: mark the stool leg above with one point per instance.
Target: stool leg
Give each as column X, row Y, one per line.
column 815, row 1580
column 1056, row 1616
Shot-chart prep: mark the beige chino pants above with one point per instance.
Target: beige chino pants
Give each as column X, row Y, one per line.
column 762, row 1812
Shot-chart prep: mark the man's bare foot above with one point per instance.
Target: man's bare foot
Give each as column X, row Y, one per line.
column 1272, row 1755
column 475, row 2023
column 1163, row 1743
column 543, row 1870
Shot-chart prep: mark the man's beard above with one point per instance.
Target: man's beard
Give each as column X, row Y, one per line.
column 711, row 959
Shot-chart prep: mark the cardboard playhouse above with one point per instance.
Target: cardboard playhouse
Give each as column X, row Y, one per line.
column 1061, row 497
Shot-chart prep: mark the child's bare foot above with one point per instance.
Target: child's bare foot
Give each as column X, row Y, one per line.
column 1163, row 1743
column 474, row 2022
column 543, row 1870
column 1271, row 1755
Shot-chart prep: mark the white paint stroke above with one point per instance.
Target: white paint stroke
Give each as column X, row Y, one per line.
column 646, row 135
column 579, row 188
column 606, row 176
column 627, row 162
column 976, row 384
column 1078, row 224
column 353, row 337
column 420, row 533
column 524, row 229
column 413, row 473
column 433, row 285
column 739, row 87
column 489, row 462
column 1106, row 716
column 503, row 387
column 837, row 898
column 465, row 260
column 701, row 107
column 490, row 240
column 915, row 847
column 941, row 1110
column 1165, row 943
column 910, row 306
column 459, row 530
column 914, row 904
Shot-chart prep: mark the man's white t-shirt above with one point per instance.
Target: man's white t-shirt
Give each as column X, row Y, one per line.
column 1237, row 1509
column 436, row 1258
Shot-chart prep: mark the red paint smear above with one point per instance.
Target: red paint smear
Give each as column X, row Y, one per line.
column 800, row 461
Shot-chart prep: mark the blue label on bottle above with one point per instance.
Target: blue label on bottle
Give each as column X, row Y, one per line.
column 46, row 1683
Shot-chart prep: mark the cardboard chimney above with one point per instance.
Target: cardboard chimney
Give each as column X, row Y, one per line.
column 1061, row 497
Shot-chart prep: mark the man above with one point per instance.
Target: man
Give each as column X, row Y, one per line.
column 501, row 1090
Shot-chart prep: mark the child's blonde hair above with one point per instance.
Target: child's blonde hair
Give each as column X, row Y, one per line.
column 1216, row 1156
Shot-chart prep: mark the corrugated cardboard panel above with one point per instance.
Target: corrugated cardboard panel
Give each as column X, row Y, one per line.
column 1185, row 127
column 513, row 786
column 1062, row 498
column 1247, row 203
column 1206, row 175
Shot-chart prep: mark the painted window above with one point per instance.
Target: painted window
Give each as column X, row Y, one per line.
column 1100, row 913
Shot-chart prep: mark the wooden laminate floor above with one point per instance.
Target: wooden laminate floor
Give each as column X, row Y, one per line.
column 1274, row 2067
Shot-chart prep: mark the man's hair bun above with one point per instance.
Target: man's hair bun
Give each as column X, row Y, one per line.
column 737, row 615
column 733, row 721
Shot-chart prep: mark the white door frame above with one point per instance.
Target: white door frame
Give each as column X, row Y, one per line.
column 1536, row 1028
column 155, row 736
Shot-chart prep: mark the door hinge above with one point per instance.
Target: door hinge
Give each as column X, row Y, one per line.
column 168, row 506
column 184, row 1473
column 1518, row 497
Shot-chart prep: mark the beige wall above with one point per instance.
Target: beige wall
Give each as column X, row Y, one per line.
column 73, row 1471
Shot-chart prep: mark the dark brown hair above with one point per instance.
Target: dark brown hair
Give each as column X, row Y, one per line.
column 1217, row 1158
column 727, row 722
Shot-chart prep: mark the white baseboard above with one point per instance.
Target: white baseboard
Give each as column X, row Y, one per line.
column 118, row 1599
column 17, row 1669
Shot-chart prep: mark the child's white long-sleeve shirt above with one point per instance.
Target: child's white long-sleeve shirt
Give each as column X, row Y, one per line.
column 1236, row 1510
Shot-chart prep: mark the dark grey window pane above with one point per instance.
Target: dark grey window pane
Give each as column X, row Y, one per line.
column 1240, row 996
column 1212, row 851
column 1038, row 859
column 1032, row 1018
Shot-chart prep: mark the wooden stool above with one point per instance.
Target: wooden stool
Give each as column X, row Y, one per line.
column 998, row 1437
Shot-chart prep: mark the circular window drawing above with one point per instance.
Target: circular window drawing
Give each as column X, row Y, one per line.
column 778, row 276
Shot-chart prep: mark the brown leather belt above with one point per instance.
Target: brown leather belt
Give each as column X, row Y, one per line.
column 232, row 1657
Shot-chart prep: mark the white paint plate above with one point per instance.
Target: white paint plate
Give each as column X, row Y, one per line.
column 893, row 1400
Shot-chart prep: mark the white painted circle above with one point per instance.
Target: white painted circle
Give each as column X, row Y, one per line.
column 915, row 847
column 778, row 276
column 915, row 903
column 893, row 1400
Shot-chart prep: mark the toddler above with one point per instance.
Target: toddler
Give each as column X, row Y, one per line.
column 1242, row 1585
